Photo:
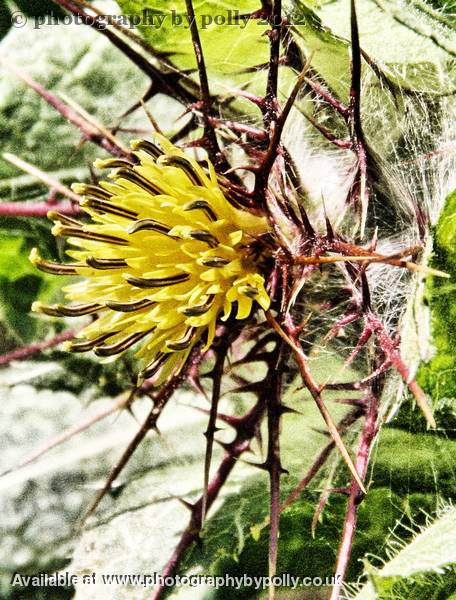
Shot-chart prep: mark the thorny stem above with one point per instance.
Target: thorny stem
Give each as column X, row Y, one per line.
column 209, row 132
column 368, row 435
column 315, row 392
column 273, row 463
column 275, row 35
column 88, row 130
column 246, row 428
column 270, row 108
column 271, row 153
column 343, row 426
column 166, row 83
column 357, row 134
column 28, row 351
column 160, row 399
column 389, row 348
column 211, row 426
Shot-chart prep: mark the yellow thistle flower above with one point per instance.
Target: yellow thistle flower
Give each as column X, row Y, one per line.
column 165, row 257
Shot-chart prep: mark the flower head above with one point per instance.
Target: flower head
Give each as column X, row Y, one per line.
column 165, row 257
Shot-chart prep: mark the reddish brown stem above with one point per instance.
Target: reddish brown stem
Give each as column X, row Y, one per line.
column 166, row 83
column 315, row 390
column 29, row 209
column 273, row 463
column 206, row 101
column 368, row 434
column 28, row 351
column 328, row 97
column 393, row 356
column 246, row 428
column 275, row 35
column 211, row 426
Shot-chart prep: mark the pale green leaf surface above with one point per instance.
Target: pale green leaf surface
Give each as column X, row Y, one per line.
column 430, row 551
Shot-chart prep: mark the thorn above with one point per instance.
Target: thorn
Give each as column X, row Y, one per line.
column 259, row 439
column 351, row 401
column 329, row 228
column 188, row 505
column 324, row 432
column 254, row 387
column 262, row 466
column 196, row 383
column 116, row 490
column 155, row 429
column 210, row 432
column 288, row 410
column 228, row 419
column 225, row 445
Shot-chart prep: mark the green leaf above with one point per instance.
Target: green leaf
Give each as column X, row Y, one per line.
column 71, row 60
column 438, row 376
column 431, row 550
column 229, row 46
column 390, row 33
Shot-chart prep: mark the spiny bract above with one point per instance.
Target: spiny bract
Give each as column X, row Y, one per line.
column 167, row 254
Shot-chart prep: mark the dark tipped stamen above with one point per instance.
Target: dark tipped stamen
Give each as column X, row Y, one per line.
column 118, row 347
column 105, row 264
column 140, row 181
column 130, row 306
column 64, row 219
column 115, row 163
column 148, row 147
column 204, row 236
column 154, row 366
column 110, row 208
column 57, row 268
column 204, row 206
column 185, row 165
column 148, row 225
column 144, row 283
column 61, row 310
column 91, row 235
column 199, row 309
column 90, row 344
column 249, row 290
column 182, row 344
column 214, row 261
column 95, row 191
